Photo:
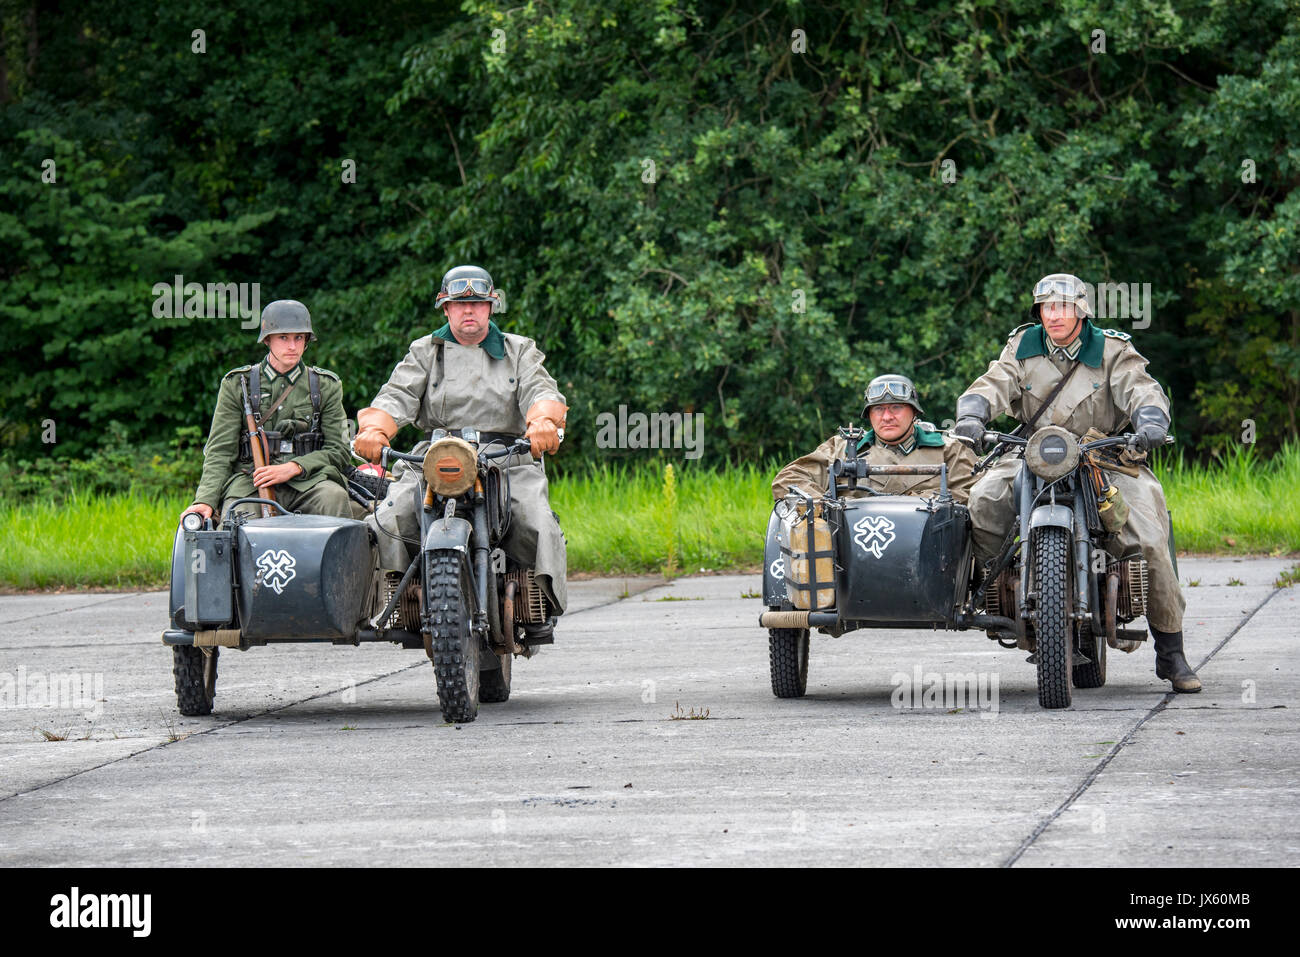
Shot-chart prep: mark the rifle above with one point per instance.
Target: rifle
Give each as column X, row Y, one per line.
column 256, row 445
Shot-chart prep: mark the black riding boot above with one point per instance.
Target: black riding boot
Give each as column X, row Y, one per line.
column 1171, row 663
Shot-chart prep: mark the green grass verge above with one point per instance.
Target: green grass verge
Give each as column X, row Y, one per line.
column 624, row 520
column 91, row 541
column 620, row 520
column 1239, row 504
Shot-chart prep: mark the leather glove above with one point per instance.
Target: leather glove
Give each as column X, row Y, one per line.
column 545, row 422
column 1151, row 425
column 973, row 414
column 377, row 429
column 973, row 429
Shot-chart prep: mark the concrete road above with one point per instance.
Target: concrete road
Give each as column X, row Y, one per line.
column 323, row 756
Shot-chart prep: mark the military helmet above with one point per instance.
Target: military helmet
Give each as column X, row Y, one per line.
column 468, row 284
column 285, row 316
column 1061, row 287
column 888, row 389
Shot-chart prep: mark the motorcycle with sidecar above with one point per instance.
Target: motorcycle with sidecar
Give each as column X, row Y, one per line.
column 286, row 577
column 850, row 558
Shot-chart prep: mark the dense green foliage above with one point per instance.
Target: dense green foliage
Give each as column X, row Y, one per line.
column 687, row 208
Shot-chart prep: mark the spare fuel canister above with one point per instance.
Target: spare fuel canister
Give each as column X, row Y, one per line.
column 209, row 578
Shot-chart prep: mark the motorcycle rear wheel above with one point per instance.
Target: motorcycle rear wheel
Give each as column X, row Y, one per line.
column 455, row 646
column 1053, row 627
column 1093, row 673
column 494, row 682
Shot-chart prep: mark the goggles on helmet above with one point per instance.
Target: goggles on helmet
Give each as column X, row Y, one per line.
column 473, row 286
column 1057, row 289
column 898, row 390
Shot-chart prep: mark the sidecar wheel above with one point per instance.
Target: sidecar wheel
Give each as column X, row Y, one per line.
column 1053, row 627
column 196, row 679
column 455, row 647
column 788, row 654
column 494, row 683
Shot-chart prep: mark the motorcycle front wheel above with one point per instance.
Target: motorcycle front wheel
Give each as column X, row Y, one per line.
column 454, row 645
column 1052, row 628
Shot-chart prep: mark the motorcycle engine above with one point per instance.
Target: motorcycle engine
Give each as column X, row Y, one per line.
column 1001, row 596
column 1133, row 588
column 406, row 616
column 530, row 603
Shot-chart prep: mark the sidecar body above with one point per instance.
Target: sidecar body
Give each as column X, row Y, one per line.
column 280, row 579
column 897, row 561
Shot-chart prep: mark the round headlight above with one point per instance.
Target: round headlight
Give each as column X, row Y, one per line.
column 192, row 522
column 1052, row 452
column 450, row 466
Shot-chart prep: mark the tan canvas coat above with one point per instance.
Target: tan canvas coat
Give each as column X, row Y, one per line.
column 1108, row 387
column 811, row 472
column 1103, row 395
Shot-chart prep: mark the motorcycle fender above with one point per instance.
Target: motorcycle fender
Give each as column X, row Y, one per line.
column 454, row 535
column 773, row 566
column 1061, row 516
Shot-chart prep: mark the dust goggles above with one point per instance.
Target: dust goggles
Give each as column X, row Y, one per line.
column 896, row 390
column 1057, row 289
column 473, row 286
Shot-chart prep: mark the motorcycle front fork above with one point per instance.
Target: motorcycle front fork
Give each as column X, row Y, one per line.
column 1085, row 583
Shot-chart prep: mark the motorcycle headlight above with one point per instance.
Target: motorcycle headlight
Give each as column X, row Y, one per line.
column 450, row 466
column 1052, row 452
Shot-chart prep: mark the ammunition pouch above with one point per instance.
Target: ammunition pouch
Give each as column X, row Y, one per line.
column 306, row 442
column 282, row 447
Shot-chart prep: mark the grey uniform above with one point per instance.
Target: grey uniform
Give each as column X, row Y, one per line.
column 1103, row 393
column 489, row 387
column 811, row 472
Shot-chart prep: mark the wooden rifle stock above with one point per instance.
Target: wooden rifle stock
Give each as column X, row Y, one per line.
column 256, row 445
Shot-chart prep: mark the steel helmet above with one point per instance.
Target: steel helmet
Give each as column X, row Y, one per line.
column 1061, row 287
column 285, row 316
column 469, row 284
column 888, row 389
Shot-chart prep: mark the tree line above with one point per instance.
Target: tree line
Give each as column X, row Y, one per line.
column 742, row 212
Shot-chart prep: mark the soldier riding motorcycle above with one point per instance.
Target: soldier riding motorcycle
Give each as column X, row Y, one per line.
column 1064, row 371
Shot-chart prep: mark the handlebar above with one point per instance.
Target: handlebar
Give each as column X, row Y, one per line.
column 519, row 446
column 1128, row 439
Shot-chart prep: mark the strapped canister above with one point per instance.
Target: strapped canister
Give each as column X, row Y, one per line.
column 808, row 554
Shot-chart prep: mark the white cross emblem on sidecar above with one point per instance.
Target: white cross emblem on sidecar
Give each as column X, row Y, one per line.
column 874, row 533
column 277, row 569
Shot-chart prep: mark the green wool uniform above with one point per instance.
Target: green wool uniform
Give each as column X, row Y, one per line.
column 320, row 489
column 922, row 446
column 1111, row 384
